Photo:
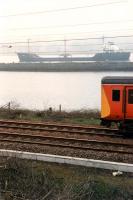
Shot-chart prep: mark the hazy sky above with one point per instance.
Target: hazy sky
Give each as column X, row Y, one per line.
column 35, row 20
column 119, row 16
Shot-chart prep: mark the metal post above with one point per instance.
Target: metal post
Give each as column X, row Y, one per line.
column 9, row 106
column 60, row 108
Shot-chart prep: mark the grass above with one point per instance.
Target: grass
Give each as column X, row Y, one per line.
column 86, row 117
column 22, row 179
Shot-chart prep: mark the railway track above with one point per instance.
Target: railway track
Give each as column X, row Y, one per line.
column 64, row 136
column 71, row 129
column 63, row 142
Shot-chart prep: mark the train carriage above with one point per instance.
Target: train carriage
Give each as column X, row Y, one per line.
column 117, row 101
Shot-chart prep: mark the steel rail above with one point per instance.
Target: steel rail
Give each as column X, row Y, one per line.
column 57, row 125
column 58, row 128
column 67, row 146
column 62, row 131
column 63, row 139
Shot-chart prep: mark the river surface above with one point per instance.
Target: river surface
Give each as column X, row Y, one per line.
column 41, row 90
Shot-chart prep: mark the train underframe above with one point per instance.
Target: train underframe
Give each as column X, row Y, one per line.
column 124, row 126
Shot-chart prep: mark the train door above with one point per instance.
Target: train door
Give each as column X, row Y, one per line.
column 129, row 102
column 117, row 102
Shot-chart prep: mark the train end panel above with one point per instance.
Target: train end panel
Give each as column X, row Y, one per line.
column 105, row 107
column 111, row 102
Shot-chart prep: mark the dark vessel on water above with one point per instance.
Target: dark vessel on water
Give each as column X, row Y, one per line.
column 108, row 54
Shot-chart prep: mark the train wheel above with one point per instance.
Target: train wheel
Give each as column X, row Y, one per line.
column 105, row 123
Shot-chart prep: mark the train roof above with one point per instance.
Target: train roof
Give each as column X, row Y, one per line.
column 117, row 80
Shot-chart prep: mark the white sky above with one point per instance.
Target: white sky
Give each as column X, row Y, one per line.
column 11, row 28
column 59, row 25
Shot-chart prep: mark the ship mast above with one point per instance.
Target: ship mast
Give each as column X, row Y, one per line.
column 28, row 42
column 65, row 51
column 103, row 41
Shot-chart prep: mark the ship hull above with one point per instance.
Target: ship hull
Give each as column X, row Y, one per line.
column 112, row 56
column 106, row 56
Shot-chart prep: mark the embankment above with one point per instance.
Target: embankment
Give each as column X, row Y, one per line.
column 67, row 67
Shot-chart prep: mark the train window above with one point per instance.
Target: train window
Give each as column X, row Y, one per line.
column 130, row 96
column 115, row 95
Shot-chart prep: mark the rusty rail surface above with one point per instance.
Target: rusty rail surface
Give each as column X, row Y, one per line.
column 64, row 142
column 62, row 128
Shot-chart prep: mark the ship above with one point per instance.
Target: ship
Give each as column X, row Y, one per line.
column 110, row 53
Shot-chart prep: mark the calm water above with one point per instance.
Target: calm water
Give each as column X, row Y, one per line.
column 41, row 90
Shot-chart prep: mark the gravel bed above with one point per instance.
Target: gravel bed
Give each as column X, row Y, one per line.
column 71, row 135
column 68, row 152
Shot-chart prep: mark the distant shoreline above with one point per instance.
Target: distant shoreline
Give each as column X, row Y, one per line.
column 67, row 67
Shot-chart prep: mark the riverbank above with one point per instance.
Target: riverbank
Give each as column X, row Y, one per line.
column 81, row 117
column 67, row 67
